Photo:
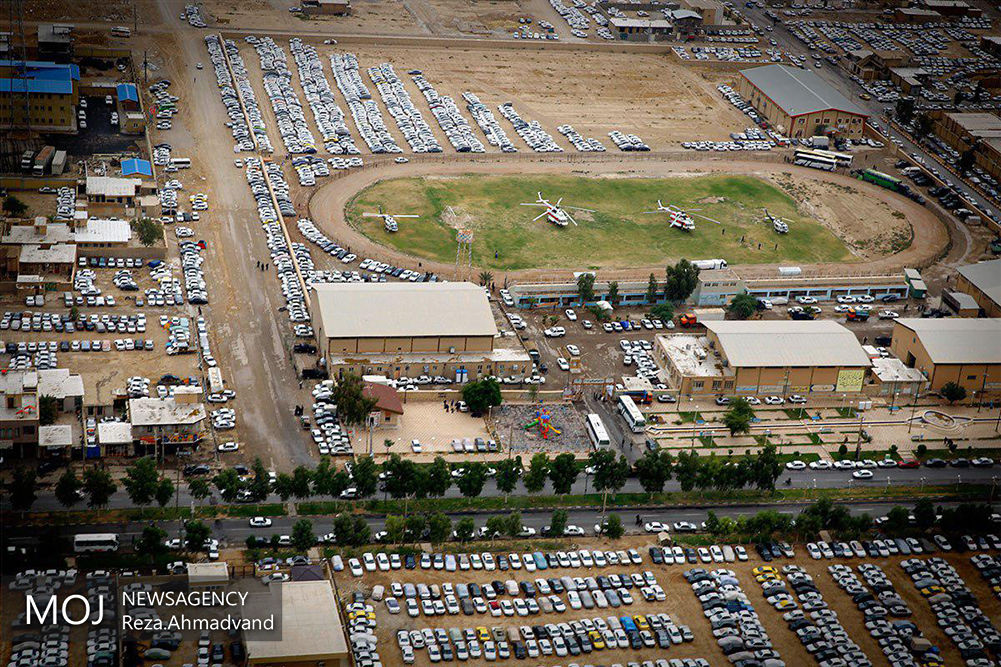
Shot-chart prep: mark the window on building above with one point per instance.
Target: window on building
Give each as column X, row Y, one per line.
column 697, row 384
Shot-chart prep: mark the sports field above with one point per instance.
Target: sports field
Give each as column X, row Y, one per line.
column 617, row 234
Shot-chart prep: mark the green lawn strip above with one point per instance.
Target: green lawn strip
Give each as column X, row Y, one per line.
column 690, row 417
column 847, row 413
column 796, row 413
column 616, row 233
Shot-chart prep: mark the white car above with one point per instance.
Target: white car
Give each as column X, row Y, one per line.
column 820, row 465
column 805, row 300
column 260, row 522
column 416, row 446
column 796, row 465
column 888, row 314
column 573, row 350
column 571, row 315
column 229, row 446
column 774, row 400
column 654, row 527
column 862, row 474
column 563, row 364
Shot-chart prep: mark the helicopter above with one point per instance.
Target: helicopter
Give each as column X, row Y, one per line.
column 389, row 220
column 681, row 218
column 555, row 213
column 780, row 225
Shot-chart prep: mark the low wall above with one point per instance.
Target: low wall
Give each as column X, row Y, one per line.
column 23, row 183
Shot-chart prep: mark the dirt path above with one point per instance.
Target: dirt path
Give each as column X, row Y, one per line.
column 326, row 207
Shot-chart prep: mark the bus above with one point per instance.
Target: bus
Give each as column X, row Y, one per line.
column 882, row 180
column 632, row 414
column 842, row 159
column 92, row 542
column 814, row 160
column 180, row 162
column 121, row 31
column 596, row 431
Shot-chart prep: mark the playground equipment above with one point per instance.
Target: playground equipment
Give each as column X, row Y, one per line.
column 543, row 420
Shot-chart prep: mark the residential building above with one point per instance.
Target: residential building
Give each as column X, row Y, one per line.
column 173, row 423
column 764, row 357
column 388, row 408
column 21, row 395
column 39, row 95
column 965, row 351
column 799, row 103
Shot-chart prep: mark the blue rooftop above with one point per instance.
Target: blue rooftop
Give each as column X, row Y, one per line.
column 36, row 76
column 127, row 92
column 134, row 166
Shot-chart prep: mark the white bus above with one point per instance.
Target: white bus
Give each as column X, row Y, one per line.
column 121, row 31
column 596, row 431
column 632, row 414
column 90, row 542
column 815, row 160
column 842, row 159
column 181, row 162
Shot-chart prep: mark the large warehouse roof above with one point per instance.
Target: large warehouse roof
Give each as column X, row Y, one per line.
column 986, row 277
column 798, row 91
column 782, row 343
column 958, row 340
column 311, row 628
column 378, row 310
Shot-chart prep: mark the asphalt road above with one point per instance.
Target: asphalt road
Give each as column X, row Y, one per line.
column 805, row 479
column 234, row 532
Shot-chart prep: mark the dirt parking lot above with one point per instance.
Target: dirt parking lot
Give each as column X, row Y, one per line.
column 681, row 603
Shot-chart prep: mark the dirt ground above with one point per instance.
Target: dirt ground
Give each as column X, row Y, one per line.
column 681, row 604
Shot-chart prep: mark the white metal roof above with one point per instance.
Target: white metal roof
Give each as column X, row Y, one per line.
column 164, row 412
column 376, row 310
column 798, row 91
column 958, row 340
column 986, row 277
column 788, row 343
column 110, row 186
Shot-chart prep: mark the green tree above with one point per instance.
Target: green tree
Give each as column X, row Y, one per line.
column 967, row 159
column 653, row 469
column 558, row 523
column 472, row 479
column 563, row 473
column 260, row 485
column 99, row 486
column 152, row 541
column 585, row 287
column 346, row 531
column 767, row 468
column 842, row 451
column 651, row 289
column 953, row 392
column 353, row 406
column 613, row 292
column 196, row 534
column 921, row 450
column 682, row 278
column 663, row 311
column 738, row 416
column 538, row 472
column 496, row 526
column 396, row 528
column 399, row 476
column 14, row 207
column 67, row 489
column 283, row 486
column 924, row 514
column 897, row 521
column 464, row 529
column 199, row 489
column 613, row 527
column 610, row 473
column 508, row 473
column 141, row 480
column 743, row 305
column 228, row 483
column 23, row 489
column 302, row 482
column 439, row 527
column 365, row 476
column 481, row 395
column 926, row 125
column 48, row 410
column 439, row 477
column 303, row 537
column 513, row 524
column 686, row 470
column 416, row 525
column 150, row 232
column 164, row 491
column 486, row 278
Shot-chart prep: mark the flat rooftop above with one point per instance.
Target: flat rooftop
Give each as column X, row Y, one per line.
column 983, row 125
column 311, row 626
column 96, row 230
column 60, row 253
column 692, row 355
column 164, row 412
column 378, row 310
column 889, row 369
column 788, row 343
column 986, row 277
column 957, row 340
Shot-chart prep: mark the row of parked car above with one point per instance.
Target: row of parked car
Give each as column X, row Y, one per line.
column 531, row 132
column 365, row 112
column 451, row 121
column 491, row 127
column 409, row 119
column 901, row 641
column 956, row 608
column 329, row 117
column 734, row 623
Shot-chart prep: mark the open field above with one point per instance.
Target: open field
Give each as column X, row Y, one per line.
column 618, row 233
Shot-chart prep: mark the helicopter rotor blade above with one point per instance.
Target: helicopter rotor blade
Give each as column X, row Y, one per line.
column 539, row 216
column 571, row 219
column 578, row 208
column 409, row 215
column 706, row 217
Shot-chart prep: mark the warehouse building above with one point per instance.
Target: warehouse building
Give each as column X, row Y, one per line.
column 312, row 632
column 411, row 329
column 962, row 350
column 799, row 103
column 982, row 281
column 979, row 131
column 777, row 357
column 641, row 30
column 41, row 95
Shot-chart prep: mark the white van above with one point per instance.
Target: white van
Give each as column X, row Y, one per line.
column 378, row 591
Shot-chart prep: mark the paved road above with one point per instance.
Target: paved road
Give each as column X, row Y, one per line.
column 235, row 531
column 817, row 479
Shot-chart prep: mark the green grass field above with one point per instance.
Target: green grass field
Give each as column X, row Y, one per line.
column 618, row 234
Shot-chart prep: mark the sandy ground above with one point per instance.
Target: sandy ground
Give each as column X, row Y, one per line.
column 427, row 422
column 681, row 604
column 876, row 210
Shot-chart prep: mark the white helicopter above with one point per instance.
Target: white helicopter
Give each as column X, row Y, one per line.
column 389, row 220
column 780, row 225
column 681, row 218
column 555, row 213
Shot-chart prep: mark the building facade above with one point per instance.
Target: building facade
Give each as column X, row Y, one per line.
column 965, row 351
column 39, row 95
column 982, row 281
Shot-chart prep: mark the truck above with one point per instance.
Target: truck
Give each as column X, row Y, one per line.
column 27, row 160
column 688, row 320
column 857, row 315
column 43, row 160
column 58, row 163
column 709, row 264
